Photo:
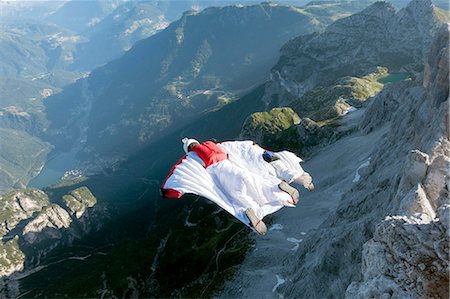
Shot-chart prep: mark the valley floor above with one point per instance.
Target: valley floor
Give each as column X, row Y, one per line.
column 334, row 169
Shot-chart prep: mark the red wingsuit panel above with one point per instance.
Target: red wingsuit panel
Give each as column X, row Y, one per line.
column 209, row 152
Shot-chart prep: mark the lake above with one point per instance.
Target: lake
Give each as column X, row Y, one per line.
column 395, row 77
column 54, row 169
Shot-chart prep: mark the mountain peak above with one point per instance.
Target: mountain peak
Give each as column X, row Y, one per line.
column 419, row 9
column 380, row 9
column 420, row 4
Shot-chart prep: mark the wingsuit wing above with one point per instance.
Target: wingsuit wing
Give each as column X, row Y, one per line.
column 249, row 155
column 189, row 176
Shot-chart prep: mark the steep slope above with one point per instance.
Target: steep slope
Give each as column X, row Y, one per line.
column 408, row 254
column 377, row 36
column 37, row 50
column 142, row 257
column 176, row 75
column 142, row 243
column 22, row 156
column 38, row 58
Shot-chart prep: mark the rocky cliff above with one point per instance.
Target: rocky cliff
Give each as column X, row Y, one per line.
column 394, row 221
column 32, row 224
column 408, row 254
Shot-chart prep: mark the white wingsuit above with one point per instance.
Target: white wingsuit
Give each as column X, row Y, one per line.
column 243, row 180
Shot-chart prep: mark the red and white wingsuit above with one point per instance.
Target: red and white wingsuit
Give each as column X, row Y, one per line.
column 235, row 176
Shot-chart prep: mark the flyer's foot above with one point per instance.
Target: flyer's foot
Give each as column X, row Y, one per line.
column 258, row 225
column 306, row 180
column 290, row 190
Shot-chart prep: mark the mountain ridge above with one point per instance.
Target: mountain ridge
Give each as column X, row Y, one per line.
column 357, row 43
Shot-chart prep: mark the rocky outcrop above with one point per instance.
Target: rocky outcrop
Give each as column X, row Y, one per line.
column 275, row 129
column 406, row 258
column 19, row 205
column 31, row 225
column 377, row 36
column 47, row 224
column 12, row 259
column 394, row 221
column 79, row 200
column 327, row 102
column 408, row 255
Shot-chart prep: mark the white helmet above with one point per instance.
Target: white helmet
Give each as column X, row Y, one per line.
column 186, row 142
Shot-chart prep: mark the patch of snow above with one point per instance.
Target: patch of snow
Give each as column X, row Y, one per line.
column 280, row 281
column 357, row 175
column 296, row 242
column 276, row 226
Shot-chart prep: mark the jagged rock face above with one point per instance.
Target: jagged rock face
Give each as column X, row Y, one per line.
column 12, row 258
column 407, row 182
column 377, row 36
column 409, row 253
column 30, row 225
column 79, row 200
column 311, row 134
column 16, row 206
column 48, row 222
column 19, row 205
column 407, row 258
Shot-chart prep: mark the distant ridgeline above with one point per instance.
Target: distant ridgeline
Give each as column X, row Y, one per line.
column 47, row 45
column 197, row 65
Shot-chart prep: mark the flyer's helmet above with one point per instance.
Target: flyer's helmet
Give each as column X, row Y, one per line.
column 188, row 141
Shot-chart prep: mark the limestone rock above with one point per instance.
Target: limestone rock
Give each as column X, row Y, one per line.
column 411, row 255
column 47, row 224
column 79, row 200
column 18, row 205
column 12, row 258
column 414, row 246
column 394, row 222
column 416, row 167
